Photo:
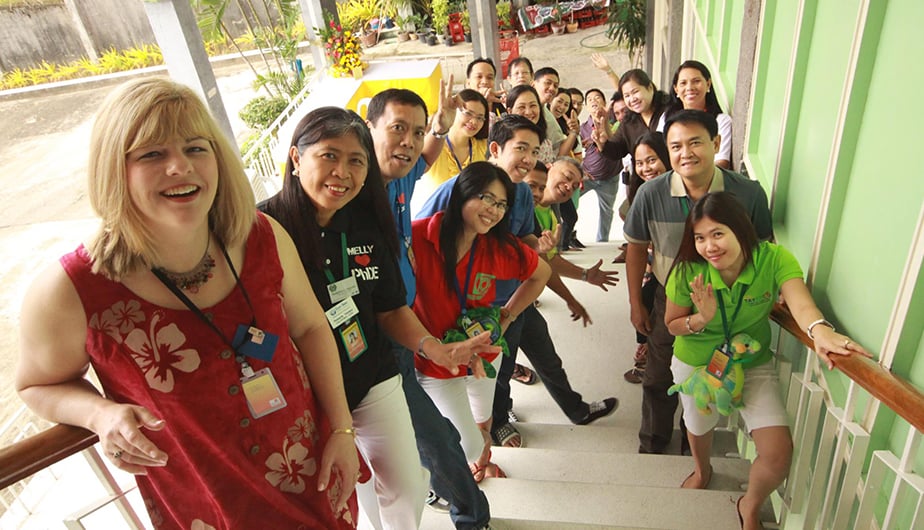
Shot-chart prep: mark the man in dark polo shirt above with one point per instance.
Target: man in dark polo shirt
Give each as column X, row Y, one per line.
column 657, row 217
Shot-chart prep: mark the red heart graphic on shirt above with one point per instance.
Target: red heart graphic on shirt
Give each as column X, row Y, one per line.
column 362, row 259
column 401, row 199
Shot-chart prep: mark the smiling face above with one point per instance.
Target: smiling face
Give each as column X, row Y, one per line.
column 717, row 244
column 596, row 104
column 647, row 163
column 481, row 214
column 692, row 151
column 637, row 97
column 564, row 178
column 577, row 103
column 560, row 104
column 482, row 77
column 692, row 88
column 470, row 118
column 527, row 106
column 547, row 87
column 536, row 180
column 331, row 172
column 518, row 156
column 398, row 136
column 520, row 74
column 173, row 184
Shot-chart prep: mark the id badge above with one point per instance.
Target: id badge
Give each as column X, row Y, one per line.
column 255, row 343
column 262, row 393
column 718, row 365
column 474, row 329
column 343, row 289
column 342, row 312
column 353, row 339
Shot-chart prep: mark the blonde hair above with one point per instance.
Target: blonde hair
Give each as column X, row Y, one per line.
column 152, row 111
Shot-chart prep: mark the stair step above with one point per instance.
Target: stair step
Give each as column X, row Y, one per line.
column 564, row 504
column 603, row 439
column 664, row 471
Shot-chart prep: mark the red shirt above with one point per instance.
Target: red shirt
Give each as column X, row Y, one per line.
column 437, row 304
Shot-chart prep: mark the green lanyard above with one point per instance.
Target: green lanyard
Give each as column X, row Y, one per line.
column 346, row 265
column 726, row 324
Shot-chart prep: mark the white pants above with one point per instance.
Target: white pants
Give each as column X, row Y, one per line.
column 465, row 401
column 385, row 437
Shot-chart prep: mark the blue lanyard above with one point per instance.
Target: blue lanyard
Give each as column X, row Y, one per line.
column 468, row 277
column 452, row 151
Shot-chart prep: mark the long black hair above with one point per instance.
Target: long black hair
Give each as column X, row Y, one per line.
column 655, row 141
column 722, row 207
column 514, row 93
column 676, row 105
column 659, row 99
column 470, row 184
column 293, row 208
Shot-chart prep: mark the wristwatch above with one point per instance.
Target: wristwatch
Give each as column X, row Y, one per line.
column 438, row 135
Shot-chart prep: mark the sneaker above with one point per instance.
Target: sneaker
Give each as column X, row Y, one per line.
column 599, row 409
column 512, row 416
column 634, row 375
column 437, row 503
column 576, row 243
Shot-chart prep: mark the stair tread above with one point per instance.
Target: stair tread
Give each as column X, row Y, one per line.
column 605, row 439
column 614, row 505
column 665, row 471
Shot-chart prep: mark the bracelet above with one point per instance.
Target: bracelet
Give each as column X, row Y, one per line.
column 504, row 315
column 690, row 328
column 583, row 275
column 350, row 430
column 421, row 343
column 821, row 321
column 438, row 135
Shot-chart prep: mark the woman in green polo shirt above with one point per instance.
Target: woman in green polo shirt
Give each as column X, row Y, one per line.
column 724, row 283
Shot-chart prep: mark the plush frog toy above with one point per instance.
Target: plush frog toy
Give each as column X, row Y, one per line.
column 725, row 393
column 475, row 321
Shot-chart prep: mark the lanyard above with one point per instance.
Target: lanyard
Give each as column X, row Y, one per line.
column 726, row 324
column 343, row 253
column 195, row 309
column 468, row 276
column 452, row 151
column 685, row 204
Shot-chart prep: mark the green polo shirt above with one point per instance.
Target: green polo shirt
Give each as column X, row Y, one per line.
column 759, row 284
column 546, row 220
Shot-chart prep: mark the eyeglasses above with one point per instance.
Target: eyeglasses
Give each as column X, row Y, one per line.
column 490, row 200
column 472, row 116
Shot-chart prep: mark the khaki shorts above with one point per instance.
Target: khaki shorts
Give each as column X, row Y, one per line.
column 763, row 405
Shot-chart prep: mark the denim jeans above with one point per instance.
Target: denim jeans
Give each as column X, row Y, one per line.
column 440, row 449
column 606, row 198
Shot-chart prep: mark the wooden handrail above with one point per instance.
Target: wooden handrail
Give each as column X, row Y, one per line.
column 35, row 453
column 893, row 391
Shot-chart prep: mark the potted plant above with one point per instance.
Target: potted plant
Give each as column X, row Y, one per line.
column 440, row 16
column 572, row 25
column 467, row 26
column 557, row 24
column 403, row 33
column 504, row 22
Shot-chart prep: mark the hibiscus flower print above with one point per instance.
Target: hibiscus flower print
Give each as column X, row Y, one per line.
column 288, row 469
column 158, row 353
column 304, row 428
column 199, row 524
column 119, row 319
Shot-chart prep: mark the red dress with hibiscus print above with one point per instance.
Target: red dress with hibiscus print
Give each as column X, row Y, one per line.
column 226, row 470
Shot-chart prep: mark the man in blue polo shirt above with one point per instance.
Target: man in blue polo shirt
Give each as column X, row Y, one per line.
column 397, row 119
column 657, row 217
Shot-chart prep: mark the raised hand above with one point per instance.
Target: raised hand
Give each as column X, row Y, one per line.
column 703, row 298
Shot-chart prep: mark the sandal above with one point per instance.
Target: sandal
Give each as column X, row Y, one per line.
column 706, row 482
column 489, row 470
column 506, row 435
column 522, row 374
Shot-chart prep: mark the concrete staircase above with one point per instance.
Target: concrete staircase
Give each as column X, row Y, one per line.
column 592, row 477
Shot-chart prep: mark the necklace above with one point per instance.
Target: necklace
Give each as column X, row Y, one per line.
column 194, row 278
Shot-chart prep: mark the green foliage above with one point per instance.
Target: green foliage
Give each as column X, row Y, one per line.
column 111, row 61
column 440, row 16
column 503, row 14
column 627, row 24
column 354, row 14
column 260, row 112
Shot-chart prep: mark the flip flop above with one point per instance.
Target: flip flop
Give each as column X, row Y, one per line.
column 522, row 374
column 708, row 479
column 489, row 470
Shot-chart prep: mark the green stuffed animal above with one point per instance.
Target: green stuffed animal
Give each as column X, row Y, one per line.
column 724, row 393
column 489, row 320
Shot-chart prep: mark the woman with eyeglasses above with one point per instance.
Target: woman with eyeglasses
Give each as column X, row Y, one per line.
column 461, row 253
column 465, row 142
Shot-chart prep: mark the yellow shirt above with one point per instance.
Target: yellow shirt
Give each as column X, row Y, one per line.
column 444, row 168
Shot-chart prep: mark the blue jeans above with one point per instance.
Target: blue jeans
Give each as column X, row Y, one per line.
column 441, row 453
column 606, row 198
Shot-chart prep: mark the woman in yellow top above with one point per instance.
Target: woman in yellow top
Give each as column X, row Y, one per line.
column 448, row 152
